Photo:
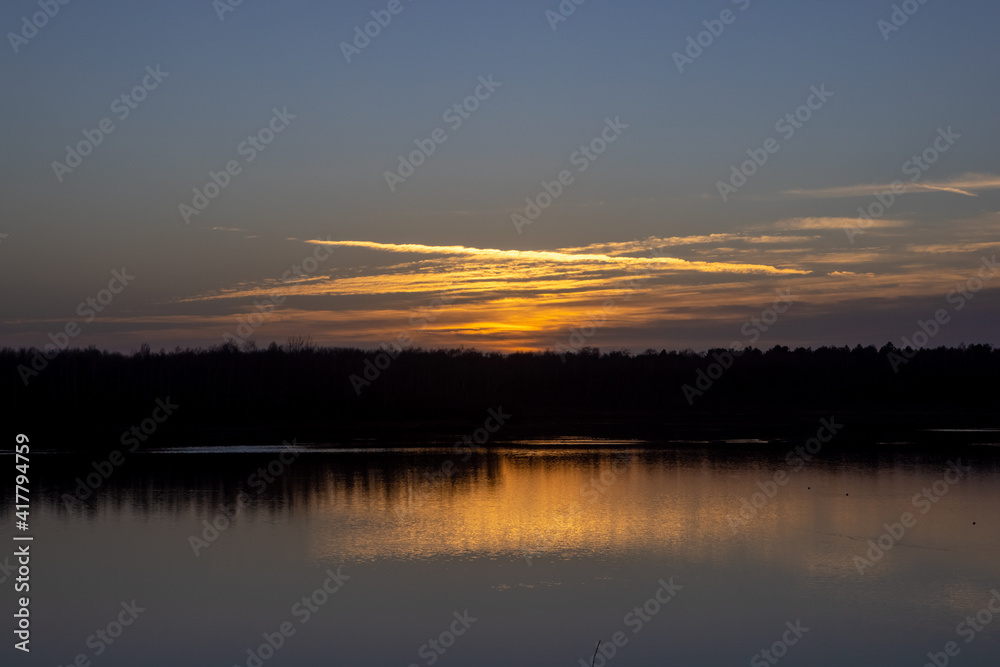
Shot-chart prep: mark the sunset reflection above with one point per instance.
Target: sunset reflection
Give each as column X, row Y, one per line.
column 542, row 504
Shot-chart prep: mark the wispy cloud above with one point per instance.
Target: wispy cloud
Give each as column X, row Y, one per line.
column 851, row 274
column 966, row 185
column 942, row 188
column 654, row 242
column 839, row 224
column 563, row 257
column 953, row 247
column 530, row 299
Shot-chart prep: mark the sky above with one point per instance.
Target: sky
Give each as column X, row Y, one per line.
column 625, row 175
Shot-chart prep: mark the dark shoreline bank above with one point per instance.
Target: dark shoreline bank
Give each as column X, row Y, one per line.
column 868, row 431
column 89, row 400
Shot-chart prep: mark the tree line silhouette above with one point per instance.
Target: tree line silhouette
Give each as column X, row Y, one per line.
column 340, row 392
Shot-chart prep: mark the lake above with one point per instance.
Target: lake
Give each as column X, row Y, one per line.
column 725, row 553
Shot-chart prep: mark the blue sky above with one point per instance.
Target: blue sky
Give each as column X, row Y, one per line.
column 323, row 177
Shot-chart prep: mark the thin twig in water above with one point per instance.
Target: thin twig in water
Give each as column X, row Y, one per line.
column 595, row 653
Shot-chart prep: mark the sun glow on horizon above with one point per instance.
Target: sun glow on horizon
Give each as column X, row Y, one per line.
column 520, row 300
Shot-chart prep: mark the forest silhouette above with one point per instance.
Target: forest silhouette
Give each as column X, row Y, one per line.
column 226, row 394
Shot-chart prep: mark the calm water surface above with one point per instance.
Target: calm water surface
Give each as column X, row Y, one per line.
column 527, row 556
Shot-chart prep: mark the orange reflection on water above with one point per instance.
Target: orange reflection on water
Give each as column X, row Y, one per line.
column 556, row 504
column 540, row 502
